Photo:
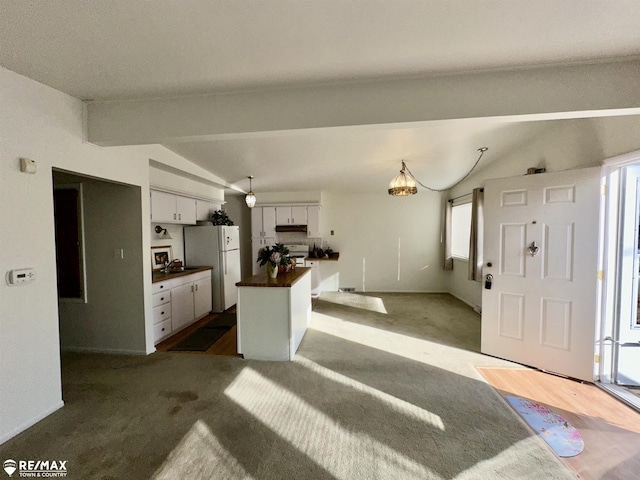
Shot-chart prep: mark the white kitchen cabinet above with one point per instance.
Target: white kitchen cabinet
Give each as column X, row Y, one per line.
column 181, row 306
column 161, row 302
column 313, row 221
column 283, row 215
column 186, row 210
column 256, row 244
column 202, row 297
column 315, row 276
column 204, row 209
column 256, row 222
column 269, row 222
column 163, row 207
column 291, row 215
column 179, row 302
column 170, row 208
column 263, row 222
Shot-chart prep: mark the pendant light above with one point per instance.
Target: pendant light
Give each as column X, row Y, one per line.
column 250, row 198
column 405, row 183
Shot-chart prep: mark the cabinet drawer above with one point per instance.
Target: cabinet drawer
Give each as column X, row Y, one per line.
column 161, row 330
column 161, row 298
column 160, row 287
column 162, row 313
column 311, row 263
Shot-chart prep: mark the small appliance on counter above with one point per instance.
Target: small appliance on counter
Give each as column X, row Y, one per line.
column 219, row 247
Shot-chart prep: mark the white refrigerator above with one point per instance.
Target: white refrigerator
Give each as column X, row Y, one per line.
column 219, row 247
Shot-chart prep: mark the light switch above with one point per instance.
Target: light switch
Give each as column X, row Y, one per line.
column 118, row 253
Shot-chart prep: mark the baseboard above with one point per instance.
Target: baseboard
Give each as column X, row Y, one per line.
column 473, row 306
column 109, row 351
column 30, row 423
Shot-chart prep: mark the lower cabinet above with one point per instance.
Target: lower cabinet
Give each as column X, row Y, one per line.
column 181, row 306
column 179, row 302
column 315, row 276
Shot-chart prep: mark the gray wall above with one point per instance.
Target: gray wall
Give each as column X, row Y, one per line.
column 112, row 320
column 238, row 211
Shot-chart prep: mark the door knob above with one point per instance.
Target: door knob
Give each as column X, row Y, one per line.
column 533, row 249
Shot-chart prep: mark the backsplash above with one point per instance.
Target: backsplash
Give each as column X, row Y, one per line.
column 176, row 241
column 297, row 238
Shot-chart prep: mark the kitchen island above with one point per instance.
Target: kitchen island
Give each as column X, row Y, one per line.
column 273, row 314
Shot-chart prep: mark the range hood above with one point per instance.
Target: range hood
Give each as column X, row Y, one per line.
column 291, row 228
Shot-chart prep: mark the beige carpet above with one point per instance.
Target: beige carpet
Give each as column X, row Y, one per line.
column 383, row 387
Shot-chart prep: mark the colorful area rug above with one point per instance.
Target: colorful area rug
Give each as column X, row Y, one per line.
column 559, row 434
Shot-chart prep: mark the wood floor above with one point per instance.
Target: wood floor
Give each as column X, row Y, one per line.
column 226, row 345
column 609, row 428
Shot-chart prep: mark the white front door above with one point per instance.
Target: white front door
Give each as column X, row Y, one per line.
column 627, row 346
column 541, row 247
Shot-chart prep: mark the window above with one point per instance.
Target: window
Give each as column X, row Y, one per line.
column 460, row 230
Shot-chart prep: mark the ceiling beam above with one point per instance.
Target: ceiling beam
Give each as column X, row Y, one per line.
column 598, row 89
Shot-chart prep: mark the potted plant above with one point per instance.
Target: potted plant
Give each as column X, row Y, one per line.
column 220, row 217
column 273, row 257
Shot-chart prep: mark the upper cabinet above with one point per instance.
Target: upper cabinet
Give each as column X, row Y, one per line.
column 265, row 219
column 204, row 209
column 170, row 208
column 313, row 221
column 295, row 215
column 263, row 222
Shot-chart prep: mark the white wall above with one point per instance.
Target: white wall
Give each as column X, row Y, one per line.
column 371, row 230
column 45, row 125
column 560, row 145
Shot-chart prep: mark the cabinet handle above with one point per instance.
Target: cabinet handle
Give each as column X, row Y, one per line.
column 161, row 286
column 161, row 298
column 161, row 313
column 192, row 288
column 196, row 287
column 174, row 216
column 179, row 216
column 163, row 329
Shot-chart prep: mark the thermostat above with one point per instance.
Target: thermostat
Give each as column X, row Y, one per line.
column 20, row 276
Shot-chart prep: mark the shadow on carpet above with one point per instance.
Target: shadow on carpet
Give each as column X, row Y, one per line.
column 204, row 337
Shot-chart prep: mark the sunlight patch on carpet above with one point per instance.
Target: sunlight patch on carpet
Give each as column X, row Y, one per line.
column 344, row 453
column 394, row 403
column 200, row 455
column 417, row 349
column 363, row 302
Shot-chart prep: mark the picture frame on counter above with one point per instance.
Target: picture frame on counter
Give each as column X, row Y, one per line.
column 160, row 256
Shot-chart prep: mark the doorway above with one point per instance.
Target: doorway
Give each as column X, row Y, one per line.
column 620, row 333
column 99, row 250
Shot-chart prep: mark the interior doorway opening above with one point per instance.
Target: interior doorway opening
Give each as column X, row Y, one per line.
column 99, row 266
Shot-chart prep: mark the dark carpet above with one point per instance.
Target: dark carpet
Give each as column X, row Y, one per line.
column 204, row 337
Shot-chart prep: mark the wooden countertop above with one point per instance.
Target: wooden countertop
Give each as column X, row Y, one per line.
column 162, row 276
column 286, row 279
column 331, row 258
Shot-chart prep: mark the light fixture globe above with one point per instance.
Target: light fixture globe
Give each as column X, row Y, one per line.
column 250, row 199
column 403, row 185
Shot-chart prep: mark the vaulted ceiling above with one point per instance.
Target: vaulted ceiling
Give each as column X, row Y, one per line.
column 352, row 58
